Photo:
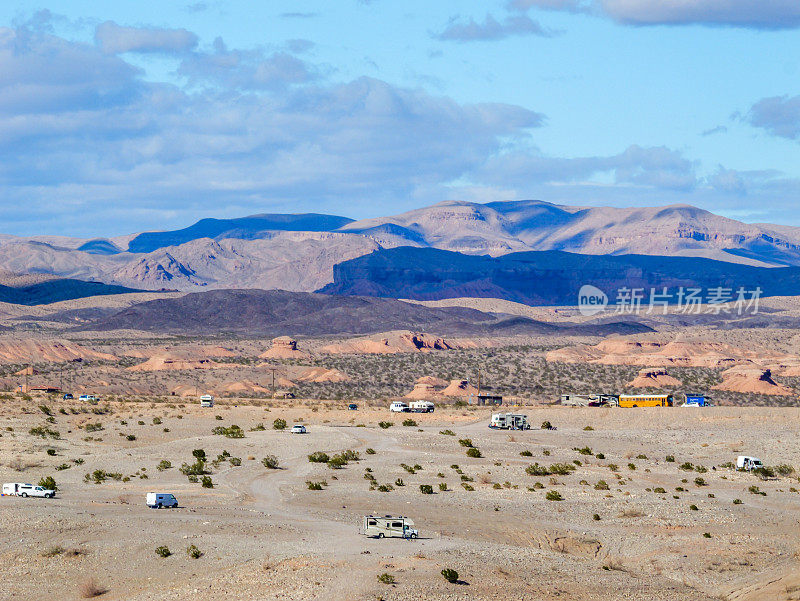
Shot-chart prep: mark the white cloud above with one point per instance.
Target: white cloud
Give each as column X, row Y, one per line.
column 115, row 39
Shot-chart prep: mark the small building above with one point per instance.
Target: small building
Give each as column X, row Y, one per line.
column 490, row 399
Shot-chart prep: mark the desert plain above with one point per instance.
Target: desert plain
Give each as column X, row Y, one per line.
column 609, row 504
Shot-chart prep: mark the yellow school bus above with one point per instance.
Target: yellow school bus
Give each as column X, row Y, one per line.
column 645, row 400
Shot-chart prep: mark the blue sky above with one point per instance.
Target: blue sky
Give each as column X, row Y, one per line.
column 128, row 116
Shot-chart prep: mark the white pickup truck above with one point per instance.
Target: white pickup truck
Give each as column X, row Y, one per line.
column 27, row 490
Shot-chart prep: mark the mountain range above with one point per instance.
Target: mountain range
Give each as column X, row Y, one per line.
column 299, row 252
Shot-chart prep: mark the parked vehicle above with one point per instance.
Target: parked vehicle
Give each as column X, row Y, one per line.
column 68, row 397
column 421, row 407
column 744, row 462
column 352, row 407
column 90, row 398
column 509, row 421
column 27, row 490
column 206, row 400
column 399, row 407
column 390, row 527
column 157, row 500
column 696, row 401
column 646, row 400
column 298, row 429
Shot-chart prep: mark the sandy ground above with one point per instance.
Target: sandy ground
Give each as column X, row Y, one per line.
column 265, row 535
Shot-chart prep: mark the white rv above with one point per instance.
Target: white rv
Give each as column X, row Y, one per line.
column 206, row 400
column 16, row 489
column 389, row 526
column 157, row 500
column 509, row 421
column 398, row 407
column 743, row 462
column 421, row 407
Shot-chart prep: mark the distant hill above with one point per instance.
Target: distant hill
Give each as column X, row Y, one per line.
column 245, row 228
column 541, row 278
column 56, row 290
column 278, row 312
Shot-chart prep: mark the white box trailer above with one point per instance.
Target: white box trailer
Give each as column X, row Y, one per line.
column 744, row 462
column 206, row 400
column 399, row 407
column 12, row 488
column 509, row 421
column 421, row 407
column 389, row 526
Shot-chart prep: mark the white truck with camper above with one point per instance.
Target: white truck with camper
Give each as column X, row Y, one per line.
column 747, row 463
column 509, row 421
column 399, row 407
column 422, row 407
column 389, row 526
column 17, row 489
column 157, row 500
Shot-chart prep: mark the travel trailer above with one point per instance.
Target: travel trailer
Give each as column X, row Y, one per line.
column 157, row 500
column 206, row 400
column 90, row 398
column 398, row 407
column 743, row 462
column 389, row 526
column 509, row 421
column 16, row 489
column 421, row 407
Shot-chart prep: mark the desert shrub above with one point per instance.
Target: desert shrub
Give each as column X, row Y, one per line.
column 584, row 451
column 465, row 442
column 350, row 455
column 235, row 461
column 48, row 482
column 163, row 465
column 613, row 467
column 337, row 462
column 232, row 431
column 90, row 427
column 318, row 457
column 447, row 432
column 670, row 459
column 632, row 466
column 497, row 486
column 450, row 575
column 562, row 469
column 693, row 507
column 764, row 472
column 706, row 535
column 426, row 489
column 686, row 467
column 45, row 409
column 443, row 486
column 588, row 428
column 700, row 469
column 640, row 456
column 601, row 485
column 784, row 469
column 600, row 456
column 63, row 466
column 596, row 517
column 157, row 421
column 546, row 425
column 385, row 488
column 409, row 422
column 193, row 552
column 279, row 424
column 700, row 482
column 537, row 470
column 754, row 490
column 198, row 468
column 51, row 452
column 660, row 490
column 553, row 495
column 206, row 482
column 270, row 462
column 98, row 476
column 259, row 427
column 370, row 451
column 163, row 551
column 131, row 437
column 386, row 578
column 474, row 453
column 90, row 589
column 313, row 485
column 526, row 453
column 44, row 432
column 467, row 487
column 192, row 478
column 385, row 425
column 53, row 551
column 737, row 501
column 399, row 482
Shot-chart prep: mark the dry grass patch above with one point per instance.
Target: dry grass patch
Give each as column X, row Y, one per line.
column 90, row 589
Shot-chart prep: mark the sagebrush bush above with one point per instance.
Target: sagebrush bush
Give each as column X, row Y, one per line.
column 163, row 551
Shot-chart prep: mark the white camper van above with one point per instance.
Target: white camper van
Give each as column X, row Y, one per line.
column 206, row 400
column 743, row 462
column 157, row 500
column 390, row 527
column 421, row 407
column 27, row 490
column 509, row 421
column 398, row 407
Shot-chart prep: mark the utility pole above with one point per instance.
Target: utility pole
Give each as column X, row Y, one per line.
column 272, row 369
column 479, row 382
column 27, row 387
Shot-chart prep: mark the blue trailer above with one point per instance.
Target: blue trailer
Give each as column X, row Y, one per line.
column 696, row 401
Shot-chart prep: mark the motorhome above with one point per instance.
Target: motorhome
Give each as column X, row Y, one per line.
column 421, row 407
column 509, row 421
column 27, row 490
column 157, row 500
column 398, row 407
column 90, row 398
column 646, row 400
column 744, row 462
column 389, row 526
column 206, row 400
